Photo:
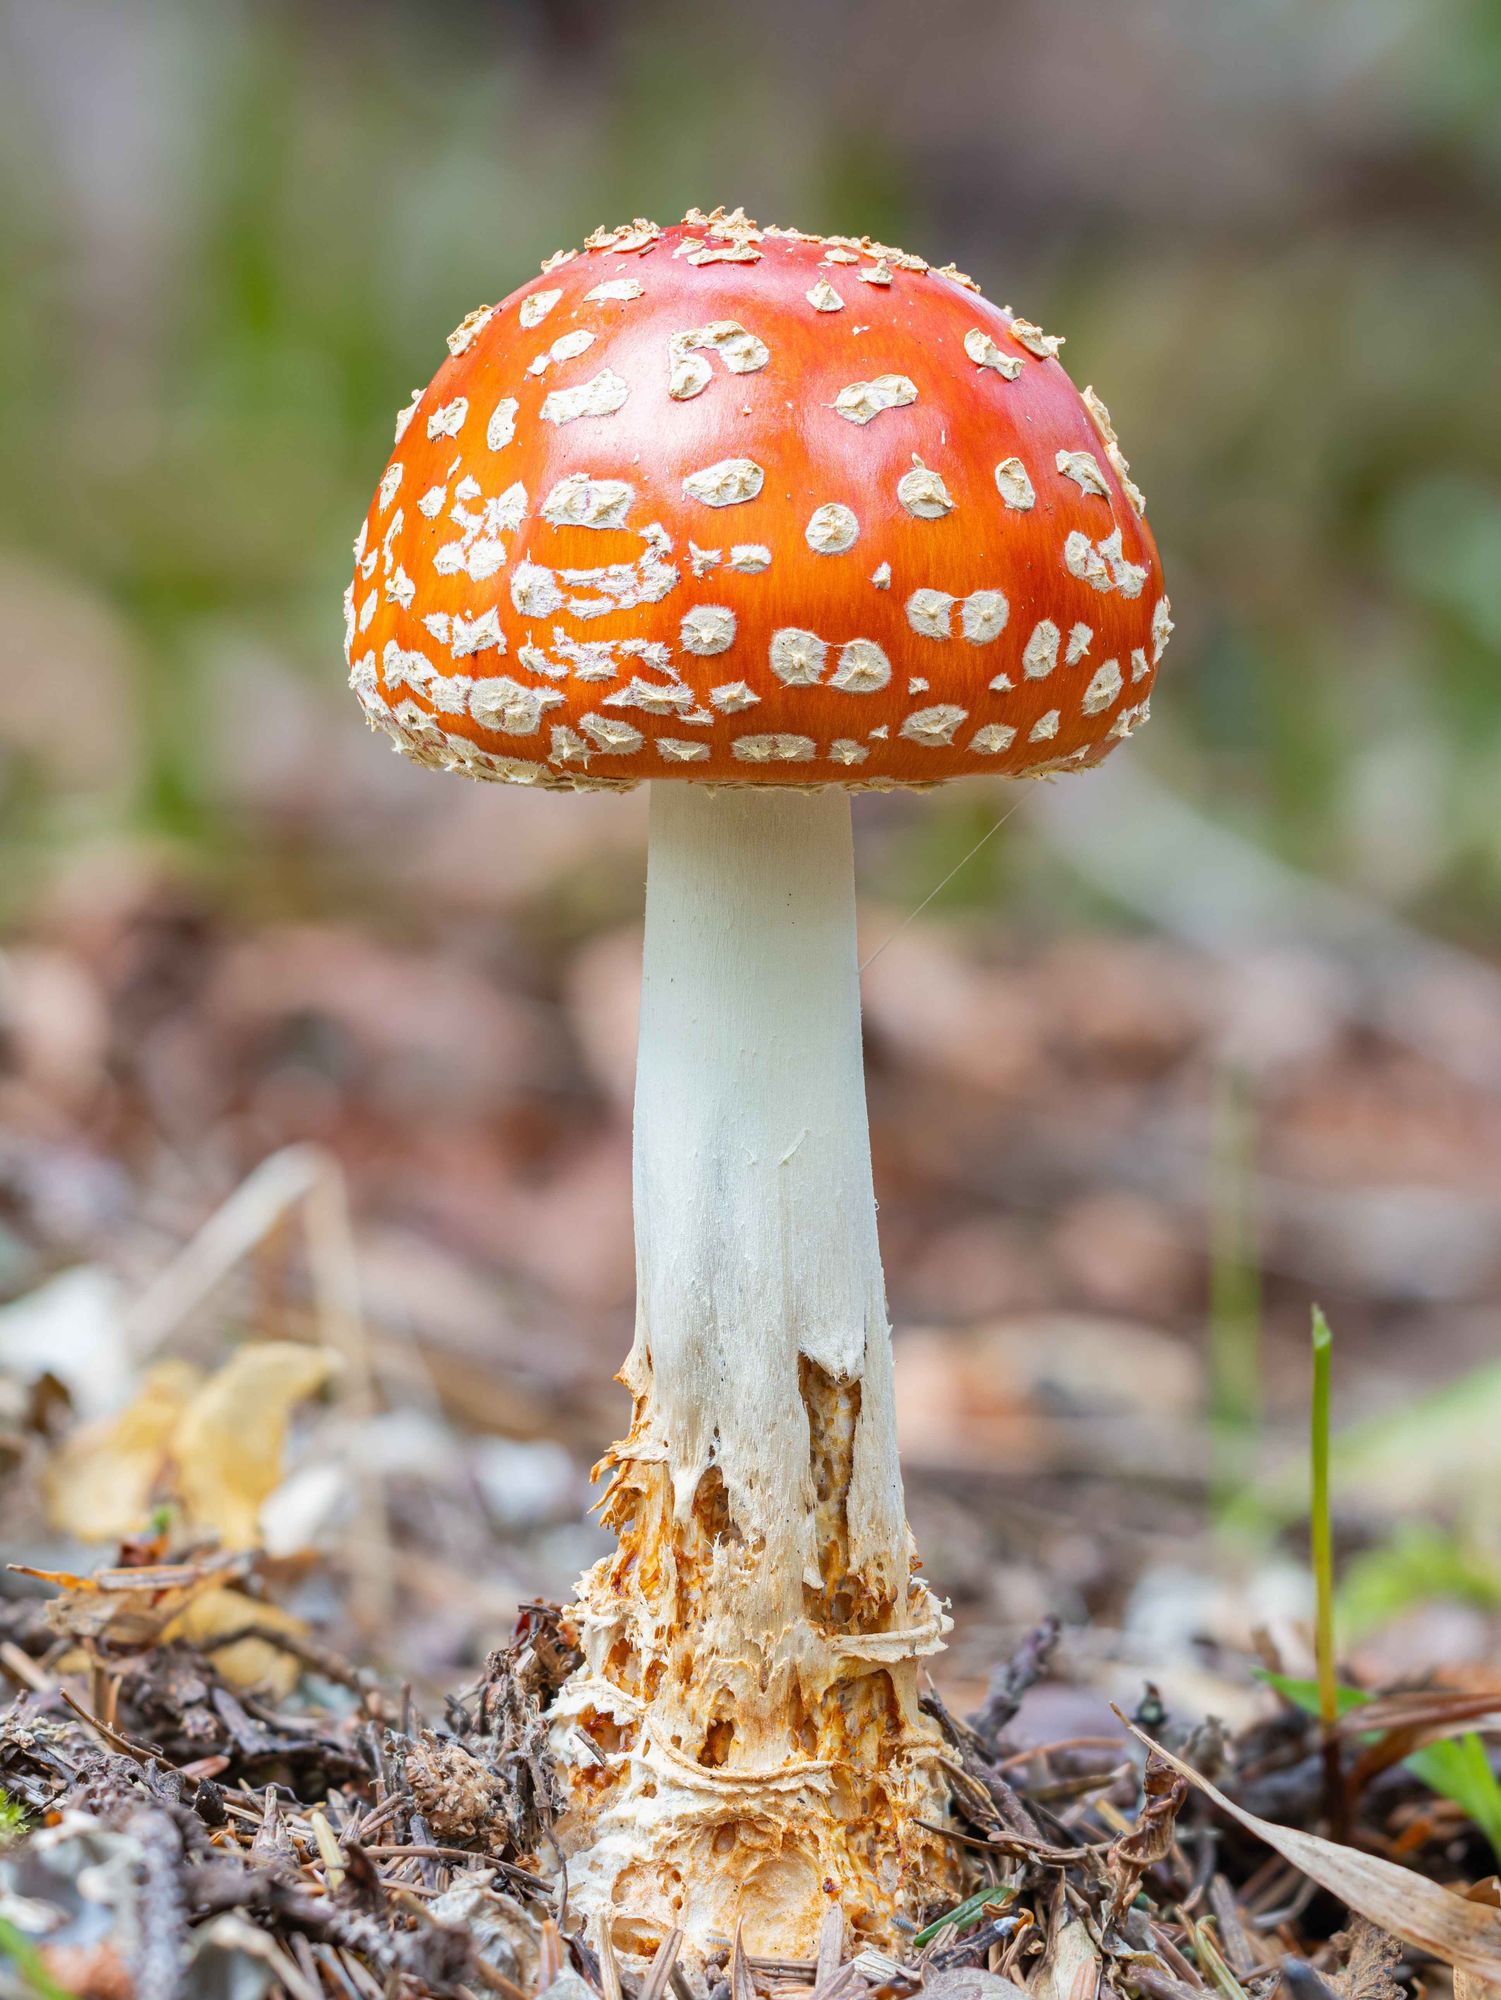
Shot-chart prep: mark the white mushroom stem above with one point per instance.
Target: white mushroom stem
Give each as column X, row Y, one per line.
column 750, row 1652
column 756, row 1246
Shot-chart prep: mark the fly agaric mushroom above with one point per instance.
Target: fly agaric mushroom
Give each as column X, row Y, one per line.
column 766, row 518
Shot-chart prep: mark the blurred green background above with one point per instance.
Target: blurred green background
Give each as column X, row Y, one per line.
column 234, row 236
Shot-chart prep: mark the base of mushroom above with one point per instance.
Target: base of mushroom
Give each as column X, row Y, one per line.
column 658, row 1840
column 731, row 1760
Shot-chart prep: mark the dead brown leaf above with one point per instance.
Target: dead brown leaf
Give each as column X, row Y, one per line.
column 1150, row 1840
column 1371, row 1956
column 1460, row 1932
column 1466, row 1985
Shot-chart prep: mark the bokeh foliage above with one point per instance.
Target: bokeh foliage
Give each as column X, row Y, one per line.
column 236, row 234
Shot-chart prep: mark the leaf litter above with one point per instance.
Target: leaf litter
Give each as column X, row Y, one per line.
column 215, row 1800
column 197, row 1820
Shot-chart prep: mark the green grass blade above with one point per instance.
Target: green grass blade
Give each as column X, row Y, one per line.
column 1321, row 1533
column 1456, row 1768
column 966, row 1914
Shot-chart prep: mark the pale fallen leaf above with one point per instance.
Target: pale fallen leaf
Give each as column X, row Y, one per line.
column 102, row 1479
column 232, row 1438
column 970, row 1982
column 1464, row 1934
column 1071, row 1967
column 155, row 1604
column 213, row 1446
column 250, row 1662
column 498, row 1928
column 1467, row 1986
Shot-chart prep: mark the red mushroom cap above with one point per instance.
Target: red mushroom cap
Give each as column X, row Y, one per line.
column 752, row 506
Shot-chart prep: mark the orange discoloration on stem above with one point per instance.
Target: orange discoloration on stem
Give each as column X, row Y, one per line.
column 773, row 1773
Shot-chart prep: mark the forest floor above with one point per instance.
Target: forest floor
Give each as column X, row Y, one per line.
column 315, row 1237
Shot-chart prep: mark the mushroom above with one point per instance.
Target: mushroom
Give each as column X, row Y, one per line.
column 766, row 518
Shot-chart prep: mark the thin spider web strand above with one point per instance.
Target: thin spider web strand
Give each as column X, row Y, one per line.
column 938, row 887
